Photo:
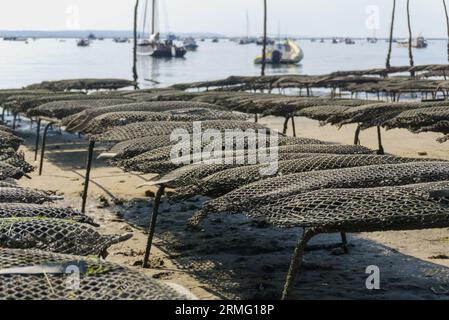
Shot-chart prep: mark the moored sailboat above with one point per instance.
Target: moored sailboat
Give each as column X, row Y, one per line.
column 154, row 46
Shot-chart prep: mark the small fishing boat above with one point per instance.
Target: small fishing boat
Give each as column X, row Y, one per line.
column 83, row 43
column 190, row 44
column 215, row 40
column 282, row 53
column 419, row 43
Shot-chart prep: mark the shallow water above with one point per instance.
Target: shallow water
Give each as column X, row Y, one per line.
column 49, row 59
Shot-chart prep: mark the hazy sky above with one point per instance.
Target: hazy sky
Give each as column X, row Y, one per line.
column 299, row 17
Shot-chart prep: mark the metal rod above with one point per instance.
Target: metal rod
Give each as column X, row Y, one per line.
column 381, row 150
column 284, row 130
column 296, row 262
column 294, row 126
column 344, row 242
column 90, row 153
column 38, row 133
column 14, row 119
column 44, row 143
column 357, row 135
column 152, row 227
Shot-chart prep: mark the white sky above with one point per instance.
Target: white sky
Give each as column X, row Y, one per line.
column 298, row 17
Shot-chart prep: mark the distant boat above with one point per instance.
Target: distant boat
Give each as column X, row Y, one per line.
column 322, row 40
column 349, row 41
column 83, row 43
column 215, row 40
column 190, row 44
column 335, row 41
column 120, row 40
column 270, row 41
column 92, row 37
column 282, row 53
column 15, row 39
column 419, row 43
column 371, row 40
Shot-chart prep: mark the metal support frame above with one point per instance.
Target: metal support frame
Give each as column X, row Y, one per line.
column 14, row 120
column 38, row 132
column 296, row 261
column 381, row 150
column 153, row 222
column 294, row 126
column 89, row 158
column 344, row 242
column 357, row 135
column 44, row 142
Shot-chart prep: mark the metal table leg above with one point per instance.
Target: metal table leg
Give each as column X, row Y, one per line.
column 296, row 261
column 38, row 132
column 152, row 228
column 90, row 153
column 44, row 142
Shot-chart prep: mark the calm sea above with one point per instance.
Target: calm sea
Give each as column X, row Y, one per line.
column 50, row 59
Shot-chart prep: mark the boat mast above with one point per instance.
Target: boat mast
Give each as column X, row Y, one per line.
column 144, row 19
column 153, row 18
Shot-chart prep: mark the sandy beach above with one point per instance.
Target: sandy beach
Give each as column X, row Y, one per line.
column 233, row 257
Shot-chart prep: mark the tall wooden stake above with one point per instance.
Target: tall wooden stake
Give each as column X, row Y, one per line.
column 388, row 64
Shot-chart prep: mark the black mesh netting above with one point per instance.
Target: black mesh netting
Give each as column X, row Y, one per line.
column 99, row 280
column 193, row 173
column 415, row 120
column 21, row 210
column 322, row 113
column 160, row 128
column 417, row 206
column 8, row 171
column 62, row 109
column 55, row 235
column 115, row 119
column 81, row 121
column 15, row 159
column 377, row 114
column 264, row 192
column 227, row 180
column 8, row 140
column 22, row 195
column 144, row 162
column 130, row 148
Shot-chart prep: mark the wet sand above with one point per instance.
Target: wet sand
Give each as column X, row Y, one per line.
column 235, row 258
